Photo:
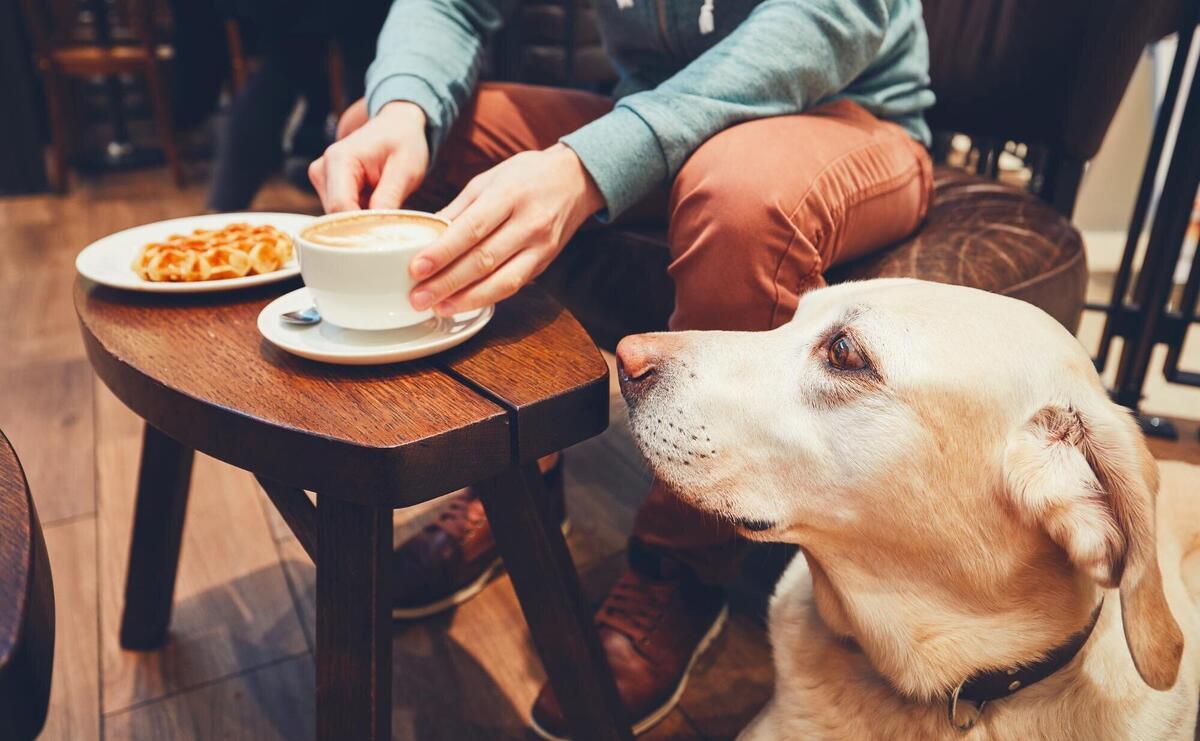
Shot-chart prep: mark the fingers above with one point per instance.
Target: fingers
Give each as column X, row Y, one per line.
column 477, row 264
column 465, row 198
column 316, row 176
column 473, row 226
column 353, row 118
column 398, row 179
column 504, row 282
column 343, row 180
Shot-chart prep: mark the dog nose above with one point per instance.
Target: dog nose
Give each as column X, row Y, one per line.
column 637, row 357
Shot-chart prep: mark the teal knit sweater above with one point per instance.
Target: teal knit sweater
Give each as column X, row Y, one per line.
column 688, row 69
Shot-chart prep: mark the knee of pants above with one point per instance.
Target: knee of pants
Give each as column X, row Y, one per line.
column 734, row 246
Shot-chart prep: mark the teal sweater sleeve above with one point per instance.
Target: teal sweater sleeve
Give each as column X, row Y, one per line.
column 786, row 55
column 430, row 53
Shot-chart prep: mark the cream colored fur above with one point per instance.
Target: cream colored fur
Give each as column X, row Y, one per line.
column 962, row 507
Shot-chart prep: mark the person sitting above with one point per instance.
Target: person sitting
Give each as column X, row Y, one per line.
column 776, row 138
column 293, row 43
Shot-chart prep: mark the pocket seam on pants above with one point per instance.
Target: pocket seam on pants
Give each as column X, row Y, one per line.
column 883, row 187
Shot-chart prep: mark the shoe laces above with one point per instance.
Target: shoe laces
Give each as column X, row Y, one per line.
column 459, row 517
column 635, row 605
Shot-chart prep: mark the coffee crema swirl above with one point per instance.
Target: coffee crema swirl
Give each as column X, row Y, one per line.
column 373, row 231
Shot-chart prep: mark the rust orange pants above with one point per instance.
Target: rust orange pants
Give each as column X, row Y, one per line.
column 754, row 218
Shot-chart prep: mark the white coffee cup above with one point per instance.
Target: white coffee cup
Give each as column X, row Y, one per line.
column 355, row 265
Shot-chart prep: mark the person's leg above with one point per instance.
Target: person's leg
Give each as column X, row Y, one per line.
column 250, row 142
column 757, row 214
column 199, row 62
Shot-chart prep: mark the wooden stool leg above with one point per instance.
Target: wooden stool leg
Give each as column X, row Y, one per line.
column 162, row 493
column 162, row 119
column 354, row 621
column 559, row 618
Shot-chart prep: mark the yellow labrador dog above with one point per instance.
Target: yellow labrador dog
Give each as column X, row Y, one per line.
column 977, row 518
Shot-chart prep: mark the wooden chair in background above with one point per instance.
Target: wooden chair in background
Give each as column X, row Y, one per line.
column 120, row 39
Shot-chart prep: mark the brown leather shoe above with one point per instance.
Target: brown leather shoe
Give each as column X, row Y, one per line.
column 654, row 624
column 452, row 559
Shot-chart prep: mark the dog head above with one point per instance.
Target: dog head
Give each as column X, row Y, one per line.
column 903, row 422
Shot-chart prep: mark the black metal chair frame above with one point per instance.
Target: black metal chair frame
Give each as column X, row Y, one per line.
column 1148, row 317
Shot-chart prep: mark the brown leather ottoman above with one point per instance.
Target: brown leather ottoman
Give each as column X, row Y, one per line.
column 979, row 233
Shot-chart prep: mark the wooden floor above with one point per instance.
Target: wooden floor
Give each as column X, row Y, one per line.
column 239, row 660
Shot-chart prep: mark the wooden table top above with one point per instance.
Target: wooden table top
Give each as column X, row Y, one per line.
column 195, row 367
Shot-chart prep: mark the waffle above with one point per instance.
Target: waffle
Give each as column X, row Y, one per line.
column 233, row 251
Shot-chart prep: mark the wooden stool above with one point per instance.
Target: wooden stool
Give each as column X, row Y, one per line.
column 367, row 440
column 26, row 606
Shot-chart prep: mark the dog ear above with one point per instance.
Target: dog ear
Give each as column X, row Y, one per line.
column 1087, row 478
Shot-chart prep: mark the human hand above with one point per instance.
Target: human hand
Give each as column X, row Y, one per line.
column 352, row 118
column 507, row 225
column 385, row 156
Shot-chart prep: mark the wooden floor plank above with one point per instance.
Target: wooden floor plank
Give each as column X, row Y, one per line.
column 301, row 577
column 25, row 210
column 233, row 610
column 37, row 315
column 114, row 423
column 480, row 651
column 603, row 495
column 272, row 702
column 279, row 528
column 1186, row 448
column 46, row 411
column 74, row 713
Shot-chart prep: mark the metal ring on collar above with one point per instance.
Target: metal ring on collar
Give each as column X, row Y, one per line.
column 952, row 711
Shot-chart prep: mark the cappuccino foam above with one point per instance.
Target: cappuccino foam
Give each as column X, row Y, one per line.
column 375, row 231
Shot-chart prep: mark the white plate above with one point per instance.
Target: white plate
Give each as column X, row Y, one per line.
column 109, row 261
column 330, row 344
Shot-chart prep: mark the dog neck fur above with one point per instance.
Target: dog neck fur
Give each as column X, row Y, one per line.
column 929, row 612
column 925, row 642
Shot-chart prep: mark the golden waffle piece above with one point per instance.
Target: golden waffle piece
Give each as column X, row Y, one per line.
column 232, row 251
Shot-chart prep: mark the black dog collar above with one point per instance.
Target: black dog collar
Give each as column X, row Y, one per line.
column 984, row 687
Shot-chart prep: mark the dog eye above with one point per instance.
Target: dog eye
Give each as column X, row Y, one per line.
column 844, row 353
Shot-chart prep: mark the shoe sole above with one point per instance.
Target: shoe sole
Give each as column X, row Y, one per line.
column 465, row 594
column 665, row 709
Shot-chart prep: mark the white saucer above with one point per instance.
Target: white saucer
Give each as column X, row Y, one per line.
column 330, row 344
column 108, row 261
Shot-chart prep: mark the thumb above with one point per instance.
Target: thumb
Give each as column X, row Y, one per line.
column 397, row 181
